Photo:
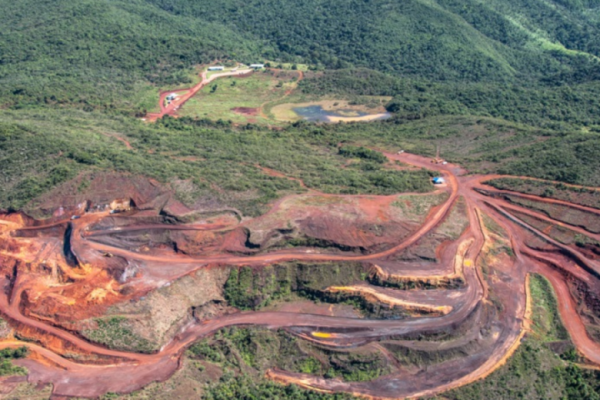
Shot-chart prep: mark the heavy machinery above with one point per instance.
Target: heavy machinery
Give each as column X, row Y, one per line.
column 437, row 159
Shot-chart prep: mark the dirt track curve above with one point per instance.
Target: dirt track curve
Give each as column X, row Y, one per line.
column 188, row 93
column 460, row 301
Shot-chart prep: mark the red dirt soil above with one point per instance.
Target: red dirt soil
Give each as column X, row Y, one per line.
column 60, row 271
column 245, row 110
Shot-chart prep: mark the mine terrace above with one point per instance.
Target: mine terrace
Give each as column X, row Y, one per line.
column 442, row 273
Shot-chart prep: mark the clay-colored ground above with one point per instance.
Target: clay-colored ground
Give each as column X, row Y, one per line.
column 80, row 293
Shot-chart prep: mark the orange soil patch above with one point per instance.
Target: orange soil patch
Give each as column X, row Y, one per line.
column 56, row 273
column 374, row 296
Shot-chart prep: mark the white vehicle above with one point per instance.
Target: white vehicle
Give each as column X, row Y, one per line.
column 401, row 151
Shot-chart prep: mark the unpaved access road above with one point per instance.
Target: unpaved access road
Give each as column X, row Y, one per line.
column 186, row 94
column 469, row 306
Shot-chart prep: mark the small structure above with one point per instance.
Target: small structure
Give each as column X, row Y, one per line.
column 438, row 180
column 257, row 66
column 216, row 68
column 171, row 97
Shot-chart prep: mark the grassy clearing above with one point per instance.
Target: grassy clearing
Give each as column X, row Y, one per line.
column 273, row 96
column 289, row 66
column 216, row 100
column 209, row 74
column 147, row 97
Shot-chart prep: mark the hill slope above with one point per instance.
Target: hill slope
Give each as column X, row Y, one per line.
column 108, row 54
column 443, row 39
column 100, row 54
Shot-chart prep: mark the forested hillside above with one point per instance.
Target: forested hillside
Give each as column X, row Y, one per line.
column 108, row 54
column 444, row 39
column 558, row 107
column 534, row 63
column 100, row 54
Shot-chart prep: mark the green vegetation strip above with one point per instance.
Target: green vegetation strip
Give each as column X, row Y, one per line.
column 115, row 333
column 560, row 191
column 6, row 366
column 249, row 289
column 254, row 350
column 217, row 161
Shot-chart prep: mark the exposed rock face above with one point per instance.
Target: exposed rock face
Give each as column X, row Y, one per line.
column 158, row 316
column 5, row 329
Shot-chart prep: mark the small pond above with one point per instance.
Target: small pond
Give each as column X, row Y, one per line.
column 317, row 114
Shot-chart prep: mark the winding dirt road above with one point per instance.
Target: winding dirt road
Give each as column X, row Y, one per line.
column 467, row 311
column 186, row 94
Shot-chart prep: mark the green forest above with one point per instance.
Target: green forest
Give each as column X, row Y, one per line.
column 500, row 87
column 435, row 57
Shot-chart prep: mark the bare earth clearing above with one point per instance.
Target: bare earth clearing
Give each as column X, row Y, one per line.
column 60, row 275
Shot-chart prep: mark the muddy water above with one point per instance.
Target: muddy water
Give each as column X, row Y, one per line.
column 316, row 113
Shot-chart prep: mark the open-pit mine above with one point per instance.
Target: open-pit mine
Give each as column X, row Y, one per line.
column 444, row 274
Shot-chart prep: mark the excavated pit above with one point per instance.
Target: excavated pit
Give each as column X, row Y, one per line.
column 109, row 286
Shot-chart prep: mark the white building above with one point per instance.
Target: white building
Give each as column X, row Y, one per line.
column 257, row 66
column 216, row 68
column 171, row 97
